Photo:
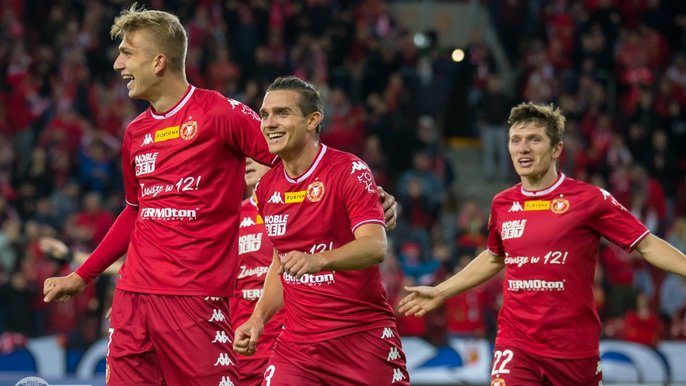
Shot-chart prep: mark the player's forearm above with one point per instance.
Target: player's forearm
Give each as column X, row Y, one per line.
column 357, row 254
column 112, row 247
column 271, row 300
column 482, row 268
column 662, row 255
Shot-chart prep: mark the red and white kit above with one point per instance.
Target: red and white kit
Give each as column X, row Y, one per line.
column 319, row 211
column 183, row 176
column 550, row 239
column 255, row 254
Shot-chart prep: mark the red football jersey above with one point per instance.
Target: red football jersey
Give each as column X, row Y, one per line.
column 549, row 240
column 184, row 170
column 315, row 212
column 255, row 254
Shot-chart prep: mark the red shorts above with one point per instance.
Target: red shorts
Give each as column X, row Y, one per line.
column 512, row 366
column 252, row 369
column 373, row 357
column 170, row 340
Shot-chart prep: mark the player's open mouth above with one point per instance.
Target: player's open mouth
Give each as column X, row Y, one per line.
column 130, row 78
column 275, row 135
column 525, row 162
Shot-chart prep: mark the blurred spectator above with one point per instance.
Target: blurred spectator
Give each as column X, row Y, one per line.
column 492, row 111
column 642, row 325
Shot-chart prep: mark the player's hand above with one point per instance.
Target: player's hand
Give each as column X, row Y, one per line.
column 297, row 263
column 246, row 336
column 53, row 247
column 62, row 288
column 390, row 208
column 420, row 301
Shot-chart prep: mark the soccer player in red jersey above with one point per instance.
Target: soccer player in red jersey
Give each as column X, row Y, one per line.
column 183, row 163
column 254, row 255
column 324, row 220
column 545, row 233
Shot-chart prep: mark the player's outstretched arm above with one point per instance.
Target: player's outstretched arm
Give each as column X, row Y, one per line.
column 271, row 301
column 422, row 300
column 662, row 255
column 63, row 288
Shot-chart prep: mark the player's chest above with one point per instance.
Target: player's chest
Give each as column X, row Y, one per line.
column 531, row 222
column 300, row 209
column 167, row 145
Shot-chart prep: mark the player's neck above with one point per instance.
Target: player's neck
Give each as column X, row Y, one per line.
column 168, row 93
column 297, row 163
column 540, row 182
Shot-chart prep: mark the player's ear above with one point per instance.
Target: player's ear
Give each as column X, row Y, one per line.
column 557, row 150
column 314, row 121
column 160, row 63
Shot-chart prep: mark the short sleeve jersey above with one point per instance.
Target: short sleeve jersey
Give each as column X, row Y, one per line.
column 184, row 170
column 255, row 254
column 549, row 240
column 320, row 211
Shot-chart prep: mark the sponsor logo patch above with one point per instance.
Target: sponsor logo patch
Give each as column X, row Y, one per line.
column 294, row 197
column 536, row 205
column 167, row 134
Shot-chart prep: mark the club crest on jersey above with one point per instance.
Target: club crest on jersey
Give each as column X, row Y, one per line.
column 315, row 191
column 559, row 205
column 498, row 382
column 189, row 130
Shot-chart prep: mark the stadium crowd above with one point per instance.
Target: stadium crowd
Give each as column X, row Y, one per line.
column 617, row 69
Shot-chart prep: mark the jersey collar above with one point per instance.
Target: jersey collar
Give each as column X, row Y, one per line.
column 175, row 109
column 546, row 191
column 310, row 170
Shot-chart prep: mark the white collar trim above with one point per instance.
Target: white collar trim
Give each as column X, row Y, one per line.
column 546, row 191
column 309, row 171
column 177, row 108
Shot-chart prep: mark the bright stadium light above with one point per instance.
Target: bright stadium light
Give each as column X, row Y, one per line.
column 458, row 55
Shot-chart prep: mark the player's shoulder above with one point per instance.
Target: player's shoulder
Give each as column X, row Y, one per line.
column 271, row 177
column 339, row 160
column 140, row 119
column 509, row 194
column 582, row 189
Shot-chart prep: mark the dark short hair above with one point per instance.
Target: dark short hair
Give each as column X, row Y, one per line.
column 309, row 102
column 548, row 116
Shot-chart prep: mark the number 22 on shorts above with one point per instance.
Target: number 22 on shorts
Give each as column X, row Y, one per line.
column 500, row 361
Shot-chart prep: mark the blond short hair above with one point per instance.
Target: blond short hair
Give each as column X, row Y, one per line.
column 164, row 29
column 548, row 116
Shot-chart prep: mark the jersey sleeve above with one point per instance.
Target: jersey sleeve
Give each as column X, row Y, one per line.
column 360, row 195
column 239, row 125
column 131, row 186
column 611, row 220
column 495, row 242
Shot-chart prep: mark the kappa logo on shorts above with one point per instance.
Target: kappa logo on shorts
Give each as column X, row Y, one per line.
column 223, row 360
column 393, row 354
column 398, row 376
column 226, row 381
column 387, row 333
column 599, row 368
column 217, row 316
column 221, row 337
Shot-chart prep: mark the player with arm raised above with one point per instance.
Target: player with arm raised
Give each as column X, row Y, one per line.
column 545, row 233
